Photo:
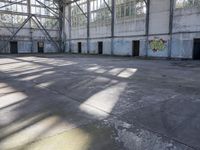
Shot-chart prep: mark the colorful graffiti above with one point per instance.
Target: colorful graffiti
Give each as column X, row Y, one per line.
column 157, row 44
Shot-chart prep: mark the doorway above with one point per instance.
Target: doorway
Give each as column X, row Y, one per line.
column 100, row 48
column 40, row 47
column 79, row 47
column 13, row 47
column 135, row 48
column 196, row 49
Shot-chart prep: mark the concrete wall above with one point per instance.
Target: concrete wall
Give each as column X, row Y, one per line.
column 102, row 30
column 106, row 46
column 128, row 27
column 186, row 27
column 182, row 44
column 159, row 17
column 179, row 44
column 186, row 20
column 27, row 46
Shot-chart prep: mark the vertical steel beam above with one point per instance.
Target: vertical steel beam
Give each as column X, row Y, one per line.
column 112, row 26
column 88, row 26
column 171, row 20
column 30, row 28
column 64, row 28
column 70, row 27
column 61, row 8
column 147, row 25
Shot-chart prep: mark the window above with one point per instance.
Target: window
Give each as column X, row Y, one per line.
column 100, row 13
column 130, row 8
column 187, row 3
column 77, row 16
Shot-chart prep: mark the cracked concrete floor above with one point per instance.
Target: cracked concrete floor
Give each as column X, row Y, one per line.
column 73, row 102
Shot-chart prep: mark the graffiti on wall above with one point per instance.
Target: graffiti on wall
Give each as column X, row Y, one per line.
column 157, row 44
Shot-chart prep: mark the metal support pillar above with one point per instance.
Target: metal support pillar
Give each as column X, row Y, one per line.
column 30, row 28
column 112, row 26
column 70, row 27
column 147, row 2
column 88, row 26
column 171, row 18
column 61, row 21
column 64, row 29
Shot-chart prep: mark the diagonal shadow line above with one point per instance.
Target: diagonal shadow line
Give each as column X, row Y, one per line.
column 34, row 121
column 13, row 104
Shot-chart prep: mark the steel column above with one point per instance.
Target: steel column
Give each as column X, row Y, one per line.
column 88, row 26
column 112, row 26
column 147, row 2
column 70, row 27
column 31, row 32
column 171, row 18
column 61, row 26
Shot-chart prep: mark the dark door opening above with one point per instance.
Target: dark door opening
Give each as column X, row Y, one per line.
column 79, row 47
column 40, row 47
column 196, row 50
column 100, row 48
column 13, row 47
column 136, row 48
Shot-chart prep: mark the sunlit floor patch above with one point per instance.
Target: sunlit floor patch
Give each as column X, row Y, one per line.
column 104, row 100
column 83, row 138
column 11, row 98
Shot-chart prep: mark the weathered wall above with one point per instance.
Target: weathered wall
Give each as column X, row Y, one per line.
column 159, row 17
column 186, row 27
column 25, row 44
column 129, row 27
column 106, row 46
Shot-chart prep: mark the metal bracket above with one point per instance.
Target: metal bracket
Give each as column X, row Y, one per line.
column 80, row 8
column 108, row 6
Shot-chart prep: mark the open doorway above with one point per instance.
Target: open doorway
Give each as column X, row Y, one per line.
column 100, row 48
column 13, row 47
column 79, row 47
column 40, row 47
column 135, row 48
column 196, row 49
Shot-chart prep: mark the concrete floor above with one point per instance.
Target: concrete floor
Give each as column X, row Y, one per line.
column 72, row 102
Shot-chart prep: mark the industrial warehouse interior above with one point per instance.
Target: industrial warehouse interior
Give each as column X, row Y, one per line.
column 99, row 74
